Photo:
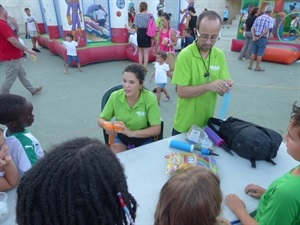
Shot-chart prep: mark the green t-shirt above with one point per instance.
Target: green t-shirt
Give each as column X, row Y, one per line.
column 280, row 205
column 143, row 114
column 189, row 71
column 158, row 23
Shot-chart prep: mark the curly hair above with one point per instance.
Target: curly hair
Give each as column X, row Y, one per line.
column 191, row 197
column 76, row 183
column 10, row 107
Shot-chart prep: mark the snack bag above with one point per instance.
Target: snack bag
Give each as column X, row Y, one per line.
column 178, row 162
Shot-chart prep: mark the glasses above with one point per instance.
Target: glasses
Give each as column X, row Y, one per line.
column 205, row 37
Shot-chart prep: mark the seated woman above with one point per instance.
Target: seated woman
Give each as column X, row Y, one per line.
column 9, row 176
column 136, row 108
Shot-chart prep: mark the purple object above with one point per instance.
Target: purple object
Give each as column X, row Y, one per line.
column 214, row 137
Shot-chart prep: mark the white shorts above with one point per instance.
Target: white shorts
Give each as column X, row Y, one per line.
column 32, row 33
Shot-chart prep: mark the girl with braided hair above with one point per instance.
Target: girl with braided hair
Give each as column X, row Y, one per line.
column 79, row 182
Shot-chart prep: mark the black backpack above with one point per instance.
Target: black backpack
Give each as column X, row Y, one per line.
column 248, row 140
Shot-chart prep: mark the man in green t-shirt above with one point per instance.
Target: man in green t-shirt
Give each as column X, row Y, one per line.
column 200, row 74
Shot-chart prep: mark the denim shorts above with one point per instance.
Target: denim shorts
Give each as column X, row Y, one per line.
column 259, row 46
column 161, row 85
column 72, row 58
column 117, row 140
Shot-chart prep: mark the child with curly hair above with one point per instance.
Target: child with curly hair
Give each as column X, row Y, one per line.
column 78, row 182
column 16, row 115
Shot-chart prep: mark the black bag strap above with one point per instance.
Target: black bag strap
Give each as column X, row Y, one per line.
column 253, row 163
column 214, row 124
column 271, row 161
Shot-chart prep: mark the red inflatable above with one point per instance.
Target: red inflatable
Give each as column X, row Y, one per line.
column 135, row 58
column 279, row 52
column 237, row 45
column 89, row 55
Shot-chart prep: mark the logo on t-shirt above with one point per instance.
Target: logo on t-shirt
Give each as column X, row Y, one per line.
column 214, row 67
column 140, row 113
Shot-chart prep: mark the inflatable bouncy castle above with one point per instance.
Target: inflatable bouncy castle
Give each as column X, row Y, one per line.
column 99, row 26
column 283, row 46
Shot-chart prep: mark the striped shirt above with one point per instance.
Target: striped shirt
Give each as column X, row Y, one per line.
column 261, row 24
column 25, row 150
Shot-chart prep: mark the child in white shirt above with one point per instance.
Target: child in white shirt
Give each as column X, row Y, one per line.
column 161, row 73
column 71, row 52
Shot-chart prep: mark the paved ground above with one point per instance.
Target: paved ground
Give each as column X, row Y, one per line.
column 69, row 105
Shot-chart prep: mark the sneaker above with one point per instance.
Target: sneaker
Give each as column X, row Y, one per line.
column 155, row 90
column 167, row 99
column 36, row 50
column 37, row 91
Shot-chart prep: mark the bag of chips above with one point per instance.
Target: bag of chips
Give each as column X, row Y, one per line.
column 178, row 162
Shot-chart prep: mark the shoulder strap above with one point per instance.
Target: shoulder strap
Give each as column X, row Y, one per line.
column 253, row 163
column 215, row 124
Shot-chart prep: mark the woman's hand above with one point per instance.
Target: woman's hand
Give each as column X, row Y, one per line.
column 126, row 131
column 254, row 190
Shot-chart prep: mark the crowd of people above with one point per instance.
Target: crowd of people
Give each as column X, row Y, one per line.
column 81, row 181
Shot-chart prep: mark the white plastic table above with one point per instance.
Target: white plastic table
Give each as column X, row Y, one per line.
column 145, row 168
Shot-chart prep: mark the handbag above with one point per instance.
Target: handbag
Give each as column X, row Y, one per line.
column 152, row 28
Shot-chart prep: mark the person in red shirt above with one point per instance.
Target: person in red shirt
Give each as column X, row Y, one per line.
column 11, row 53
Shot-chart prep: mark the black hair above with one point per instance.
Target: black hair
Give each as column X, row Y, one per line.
column 160, row 12
column 70, row 35
column 26, row 9
column 192, row 9
column 188, row 30
column 11, row 107
column 210, row 14
column 167, row 16
column 75, row 183
column 138, row 70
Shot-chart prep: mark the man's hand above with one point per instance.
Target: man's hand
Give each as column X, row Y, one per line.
column 221, row 86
